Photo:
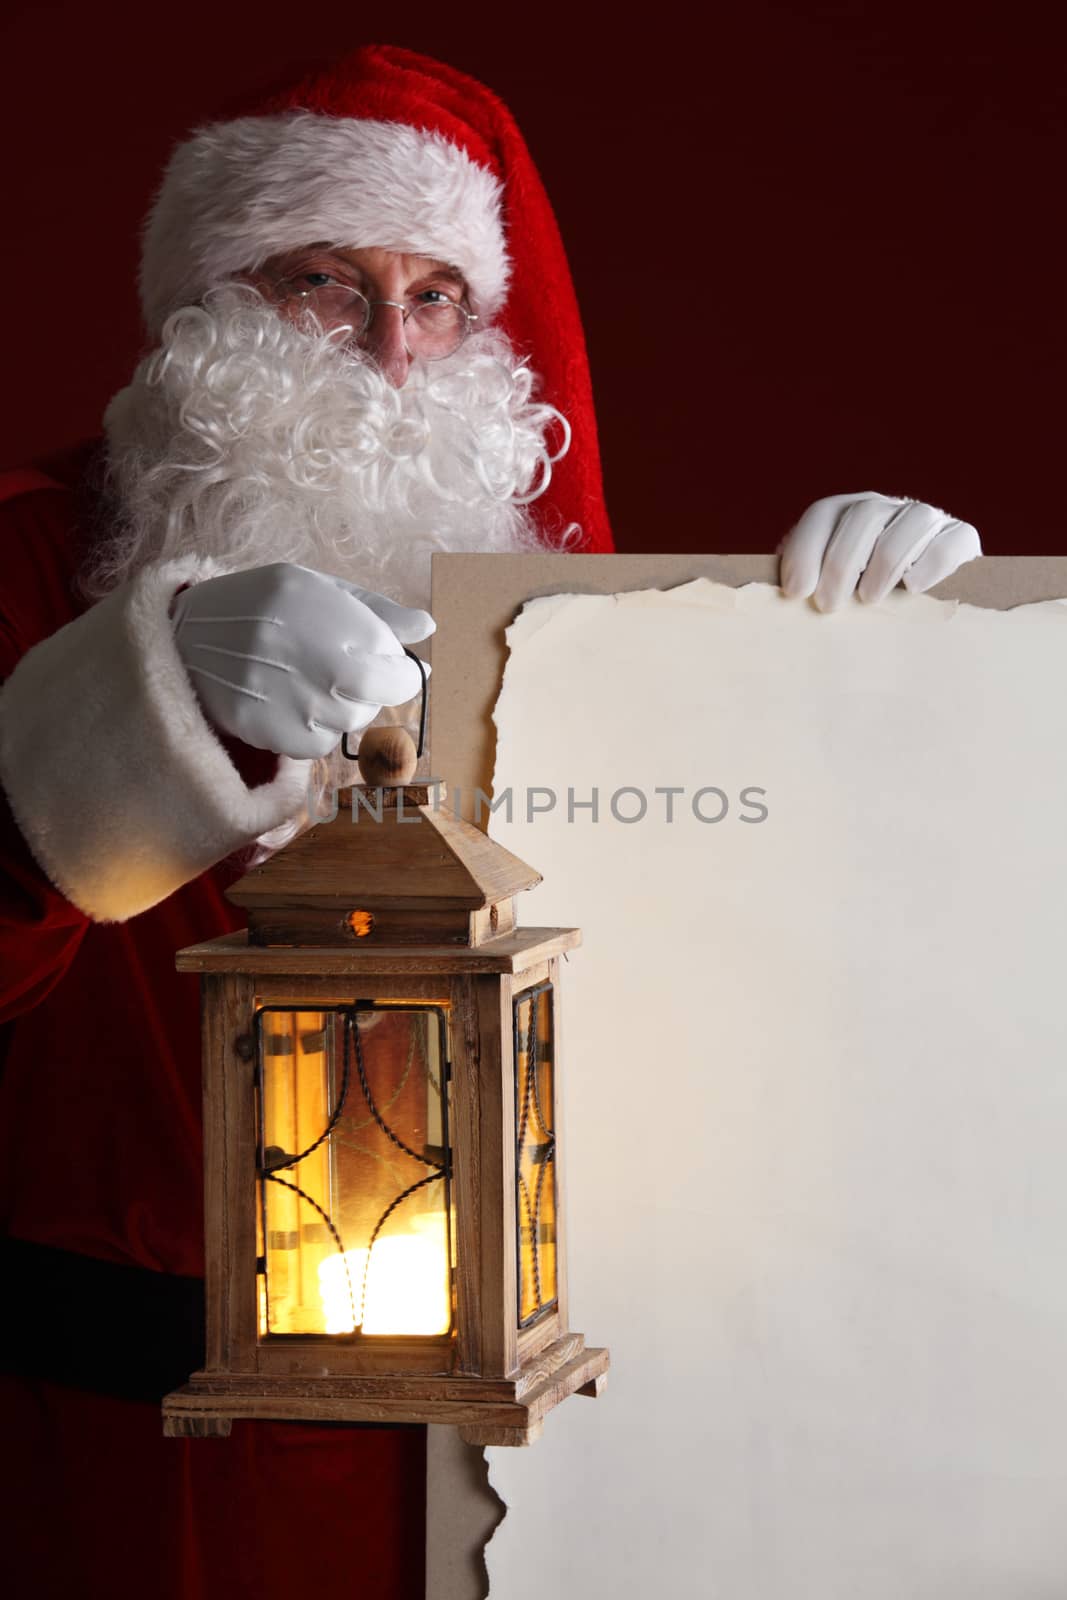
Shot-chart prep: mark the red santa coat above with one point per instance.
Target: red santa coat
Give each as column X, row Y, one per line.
column 101, row 1183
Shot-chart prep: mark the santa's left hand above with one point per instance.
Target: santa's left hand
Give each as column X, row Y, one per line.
column 865, row 544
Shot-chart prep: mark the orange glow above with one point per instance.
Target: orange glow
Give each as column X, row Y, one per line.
column 407, row 1284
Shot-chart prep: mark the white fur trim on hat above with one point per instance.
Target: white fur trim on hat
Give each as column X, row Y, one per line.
column 115, row 778
column 238, row 192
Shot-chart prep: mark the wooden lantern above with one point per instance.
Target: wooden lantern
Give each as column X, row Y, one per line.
column 384, row 1230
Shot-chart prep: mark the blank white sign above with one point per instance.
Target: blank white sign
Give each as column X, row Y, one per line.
column 815, row 1095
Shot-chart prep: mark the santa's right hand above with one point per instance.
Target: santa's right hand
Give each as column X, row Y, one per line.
column 290, row 660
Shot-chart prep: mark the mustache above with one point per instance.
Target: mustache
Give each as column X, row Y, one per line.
column 243, row 432
column 231, row 373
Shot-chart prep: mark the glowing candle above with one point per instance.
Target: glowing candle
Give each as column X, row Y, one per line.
column 406, row 1284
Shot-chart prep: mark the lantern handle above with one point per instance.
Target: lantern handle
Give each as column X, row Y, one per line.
column 350, row 755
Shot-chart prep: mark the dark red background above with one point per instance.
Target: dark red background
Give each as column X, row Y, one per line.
column 818, row 247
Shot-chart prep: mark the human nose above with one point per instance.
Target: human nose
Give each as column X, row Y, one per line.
column 386, row 341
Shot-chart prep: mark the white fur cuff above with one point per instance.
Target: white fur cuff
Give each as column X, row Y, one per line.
column 115, row 778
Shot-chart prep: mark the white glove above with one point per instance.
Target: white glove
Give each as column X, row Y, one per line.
column 867, row 543
column 290, row 660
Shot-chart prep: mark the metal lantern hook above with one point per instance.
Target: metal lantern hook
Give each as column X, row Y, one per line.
column 350, row 755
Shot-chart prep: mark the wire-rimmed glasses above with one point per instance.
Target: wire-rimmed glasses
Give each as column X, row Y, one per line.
column 433, row 329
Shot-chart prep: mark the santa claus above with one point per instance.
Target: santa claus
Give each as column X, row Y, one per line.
column 365, row 347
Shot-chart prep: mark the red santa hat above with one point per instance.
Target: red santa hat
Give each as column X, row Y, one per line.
column 389, row 148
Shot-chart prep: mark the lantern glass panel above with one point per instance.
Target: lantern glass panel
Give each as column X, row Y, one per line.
column 354, row 1167
column 535, row 1152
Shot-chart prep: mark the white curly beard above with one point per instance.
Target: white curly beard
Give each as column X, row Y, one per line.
column 251, row 440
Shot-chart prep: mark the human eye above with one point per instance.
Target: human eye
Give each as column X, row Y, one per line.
column 310, row 275
column 435, row 295
column 322, row 278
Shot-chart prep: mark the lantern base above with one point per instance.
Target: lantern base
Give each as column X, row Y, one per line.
column 497, row 1411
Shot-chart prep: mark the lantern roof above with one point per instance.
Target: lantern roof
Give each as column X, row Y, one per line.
column 398, row 853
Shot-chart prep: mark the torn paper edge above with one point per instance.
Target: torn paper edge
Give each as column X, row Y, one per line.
column 544, row 613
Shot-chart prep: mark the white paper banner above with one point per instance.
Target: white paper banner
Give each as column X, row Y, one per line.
column 815, row 1085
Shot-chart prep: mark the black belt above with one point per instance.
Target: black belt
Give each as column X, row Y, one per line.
column 89, row 1324
column 128, row 1332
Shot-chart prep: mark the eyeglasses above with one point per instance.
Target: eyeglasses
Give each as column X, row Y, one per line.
column 433, row 329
